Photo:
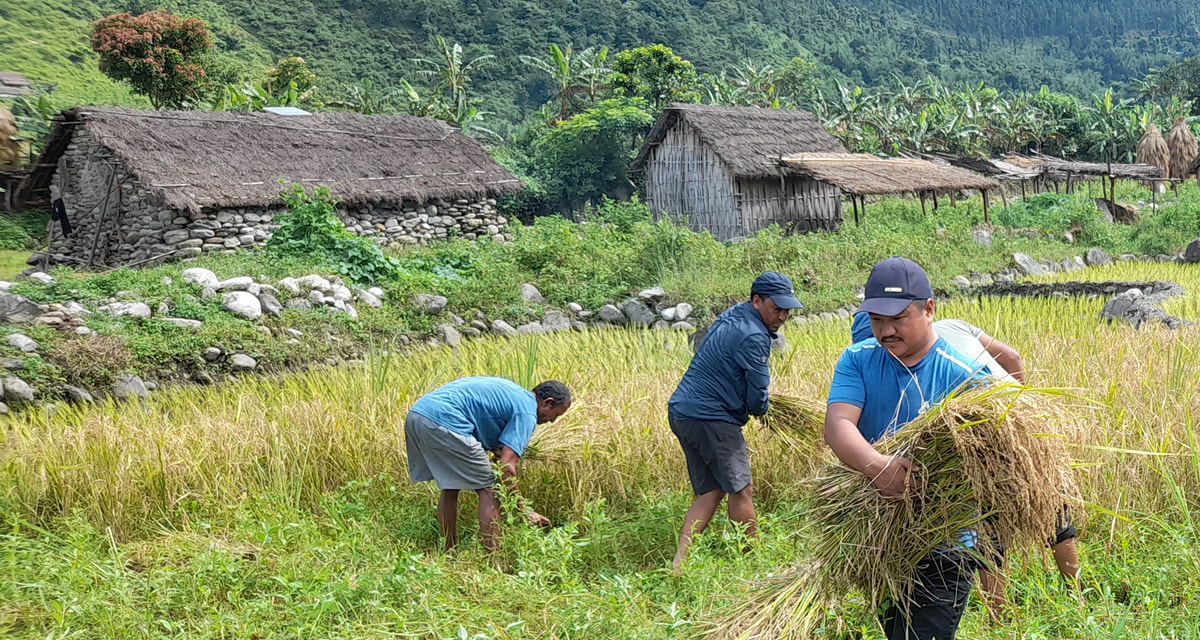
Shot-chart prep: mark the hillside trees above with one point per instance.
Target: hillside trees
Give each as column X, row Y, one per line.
column 157, row 53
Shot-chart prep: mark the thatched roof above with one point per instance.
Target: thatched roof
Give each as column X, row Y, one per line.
column 861, row 174
column 1116, row 170
column 750, row 140
column 198, row 159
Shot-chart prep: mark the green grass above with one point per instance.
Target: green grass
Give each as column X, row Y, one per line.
column 12, row 263
column 279, row 506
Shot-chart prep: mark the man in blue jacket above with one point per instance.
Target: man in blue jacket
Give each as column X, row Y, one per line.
column 725, row 384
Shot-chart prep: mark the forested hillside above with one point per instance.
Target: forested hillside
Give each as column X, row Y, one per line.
column 1071, row 46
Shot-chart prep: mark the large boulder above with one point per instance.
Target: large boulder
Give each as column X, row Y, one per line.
column 240, row 283
column 202, row 277
column 242, row 304
column 17, row 391
column 1192, row 252
column 1028, row 266
column 241, row 362
column 610, row 313
column 652, row 295
column 128, row 387
column 530, row 293
column 449, row 335
column 135, row 309
column 500, row 327
column 638, row 314
column 22, row 342
column 1096, row 258
column 556, row 321
column 270, row 305
column 430, row 303
column 15, row 309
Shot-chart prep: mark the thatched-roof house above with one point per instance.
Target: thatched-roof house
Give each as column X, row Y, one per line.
column 147, row 185
column 720, row 168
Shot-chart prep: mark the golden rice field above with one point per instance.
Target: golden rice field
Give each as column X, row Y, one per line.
column 202, row 470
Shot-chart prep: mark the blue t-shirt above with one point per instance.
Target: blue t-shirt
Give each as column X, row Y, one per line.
column 494, row 411
column 869, row 377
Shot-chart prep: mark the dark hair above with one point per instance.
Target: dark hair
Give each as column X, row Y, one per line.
column 554, row 390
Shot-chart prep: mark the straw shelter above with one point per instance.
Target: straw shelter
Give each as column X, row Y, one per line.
column 860, row 175
column 144, row 185
column 719, row 168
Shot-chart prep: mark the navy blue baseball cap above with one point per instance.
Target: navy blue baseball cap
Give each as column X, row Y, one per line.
column 778, row 287
column 893, row 285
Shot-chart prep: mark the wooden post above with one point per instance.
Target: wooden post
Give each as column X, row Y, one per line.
column 1002, row 198
column 864, row 208
column 986, row 218
column 1070, row 190
column 953, row 199
column 935, row 201
column 924, row 212
column 1024, row 197
column 854, row 201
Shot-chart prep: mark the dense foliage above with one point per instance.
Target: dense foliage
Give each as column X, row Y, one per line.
column 158, row 53
column 309, row 229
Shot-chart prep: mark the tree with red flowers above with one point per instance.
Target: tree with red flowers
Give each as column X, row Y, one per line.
column 157, row 53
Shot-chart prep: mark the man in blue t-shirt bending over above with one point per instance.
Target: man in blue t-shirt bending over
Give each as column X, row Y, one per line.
column 449, row 431
column 880, row 385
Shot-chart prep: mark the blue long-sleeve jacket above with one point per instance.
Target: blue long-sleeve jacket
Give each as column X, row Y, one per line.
column 728, row 377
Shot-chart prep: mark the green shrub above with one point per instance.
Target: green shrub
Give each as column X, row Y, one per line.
column 12, row 236
column 309, row 228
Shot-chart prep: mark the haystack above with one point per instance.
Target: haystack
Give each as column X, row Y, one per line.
column 10, row 149
column 987, row 463
column 1182, row 146
column 1152, row 150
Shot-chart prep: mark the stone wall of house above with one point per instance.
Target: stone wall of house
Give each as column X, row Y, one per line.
column 116, row 220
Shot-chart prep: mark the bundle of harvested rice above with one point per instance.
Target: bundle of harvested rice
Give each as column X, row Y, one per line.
column 988, row 461
column 1183, row 147
column 1152, row 150
column 798, row 421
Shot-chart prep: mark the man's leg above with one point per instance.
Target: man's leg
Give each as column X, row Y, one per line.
column 489, row 518
column 694, row 521
column 1066, row 556
column 941, row 584
column 447, row 515
column 992, row 583
column 741, row 509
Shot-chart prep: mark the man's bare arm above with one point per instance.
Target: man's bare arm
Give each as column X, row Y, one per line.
column 892, row 475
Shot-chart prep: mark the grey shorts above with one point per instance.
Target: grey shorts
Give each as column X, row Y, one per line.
column 451, row 459
column 716, row 454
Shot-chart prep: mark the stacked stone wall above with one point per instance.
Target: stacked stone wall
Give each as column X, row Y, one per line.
column 116, row 220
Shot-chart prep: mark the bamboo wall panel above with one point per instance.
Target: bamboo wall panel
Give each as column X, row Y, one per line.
column 687, row 181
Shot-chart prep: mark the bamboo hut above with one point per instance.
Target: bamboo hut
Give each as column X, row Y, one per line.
column 719, row 168
column 1181, row 143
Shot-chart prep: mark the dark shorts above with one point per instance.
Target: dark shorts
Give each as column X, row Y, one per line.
column 993, row 557
column 716, row 454
column 941, row 584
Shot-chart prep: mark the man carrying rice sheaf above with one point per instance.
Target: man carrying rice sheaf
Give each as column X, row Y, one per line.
column 449, row 431
column 726, row 383
column 880, row 385
column 1000, row 360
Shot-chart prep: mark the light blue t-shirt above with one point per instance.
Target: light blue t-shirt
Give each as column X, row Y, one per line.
column 494, row 411
column 890, row 396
